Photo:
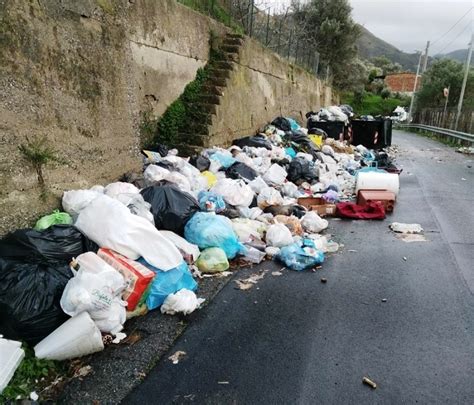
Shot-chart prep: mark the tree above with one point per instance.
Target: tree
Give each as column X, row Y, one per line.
column 330, row 29
column 445, row 73
column 386, row 65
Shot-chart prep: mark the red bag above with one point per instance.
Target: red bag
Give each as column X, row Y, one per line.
column 372, row 210
column 136, row 275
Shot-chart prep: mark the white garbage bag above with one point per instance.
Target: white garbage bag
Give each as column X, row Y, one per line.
column 184, row 301
column 119, row 187
column 278, row 235
column 189, row 251
column 234, row 192
column 257, row 185
column 75, row 201
column 110, row 224
column 313, row 223
column 154, row 173
column 96, row 288
column 290, row 189
column 269, row 196
column 275, row 175
column 137, row 205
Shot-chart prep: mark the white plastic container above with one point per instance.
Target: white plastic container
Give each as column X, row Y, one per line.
column 78, row 336
column 378, row 181
column 11, row 355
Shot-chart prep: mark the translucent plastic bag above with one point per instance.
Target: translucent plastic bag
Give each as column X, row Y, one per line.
column 75, row 201
column 269, row 196
column 210, row 202
column 298, row 257
column 184, row 301
column 168, row 282
column 212, row 260
column 96, row 288
column 56, row 218
column 275, row 175
column 119, row 187
column 278, row 235
column 313, row 223
column 210, row 230
column 234, row 192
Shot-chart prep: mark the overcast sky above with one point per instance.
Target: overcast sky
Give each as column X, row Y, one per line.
column 408, row 24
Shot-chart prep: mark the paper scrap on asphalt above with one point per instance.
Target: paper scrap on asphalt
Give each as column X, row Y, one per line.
column 177, row 356
column 248, row 283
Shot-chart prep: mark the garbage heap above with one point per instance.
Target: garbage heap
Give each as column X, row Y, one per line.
column 140, row 244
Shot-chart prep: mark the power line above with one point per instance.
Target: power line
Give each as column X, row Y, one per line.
column 456, row 23
column 447, row 46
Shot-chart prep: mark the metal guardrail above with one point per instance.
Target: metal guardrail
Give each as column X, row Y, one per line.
column 443, row 131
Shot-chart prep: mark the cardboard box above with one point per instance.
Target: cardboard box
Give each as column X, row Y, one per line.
column 387, row 198
column 319, row 205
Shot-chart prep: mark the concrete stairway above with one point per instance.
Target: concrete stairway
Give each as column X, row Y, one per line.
column 204, row 110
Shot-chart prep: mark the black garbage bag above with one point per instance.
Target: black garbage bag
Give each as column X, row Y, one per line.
column 301, row 142
column 347, row 109
column 257, row 141
column 301, row 170
column 240, row 170
column 317, row 131
column 282, row 123
column 34, row 270
column 200, row 162
column 171, row 207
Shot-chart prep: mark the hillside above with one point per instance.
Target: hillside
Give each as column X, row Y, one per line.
column 459, row 55
column 370, row 46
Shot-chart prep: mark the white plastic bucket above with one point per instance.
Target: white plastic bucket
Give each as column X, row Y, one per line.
column 11, row 355
column 378, row 181
column 78, row 336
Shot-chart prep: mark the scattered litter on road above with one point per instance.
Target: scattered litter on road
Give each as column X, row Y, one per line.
column 404, row 258
column 223, row 382
column 34, row 396
column 384, row 299
column 277, row 273
column 369, row 382
column 177, row 356
column 82, row 371
column 411, row 237
column 405, row 228
column 249, row 282
column 324, row 280
column 352, row 251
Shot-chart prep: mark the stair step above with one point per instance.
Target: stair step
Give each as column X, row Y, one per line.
column 233, row 35
column 224, row 64
column 215, row 72
column 201, row 116
column 230, row 48
column 233, row 41
column 230, row 57
column 199, row 127
column 217, row 81
column 210, row 98
column 213, row 89
column 205, row 108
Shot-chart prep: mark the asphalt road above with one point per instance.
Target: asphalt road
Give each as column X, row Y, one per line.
column 292, row 339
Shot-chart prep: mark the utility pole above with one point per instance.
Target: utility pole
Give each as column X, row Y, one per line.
column 414, row 89
column 425, row 63
column 443, row 123
column 463, row 88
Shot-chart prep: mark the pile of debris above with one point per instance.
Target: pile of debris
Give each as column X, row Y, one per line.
column 118, row 251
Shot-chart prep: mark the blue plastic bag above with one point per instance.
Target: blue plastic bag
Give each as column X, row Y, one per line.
column 210, row 201
column 168, row 282
column 293, row 124
column 207, row 229
column 225, row 160
column 290, row 152
column 296, row 257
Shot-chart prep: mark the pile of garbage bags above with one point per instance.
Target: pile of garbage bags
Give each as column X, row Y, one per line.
column 118, row 251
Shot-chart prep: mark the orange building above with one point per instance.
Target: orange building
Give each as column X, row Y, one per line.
column 402, row 82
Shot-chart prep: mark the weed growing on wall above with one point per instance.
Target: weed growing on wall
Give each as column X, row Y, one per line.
column 38, row 153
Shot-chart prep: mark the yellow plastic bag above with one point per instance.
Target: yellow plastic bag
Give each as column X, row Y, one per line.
column 317, row 140
column 210, row 177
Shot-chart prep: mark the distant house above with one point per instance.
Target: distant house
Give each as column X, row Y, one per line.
column 402, row 82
